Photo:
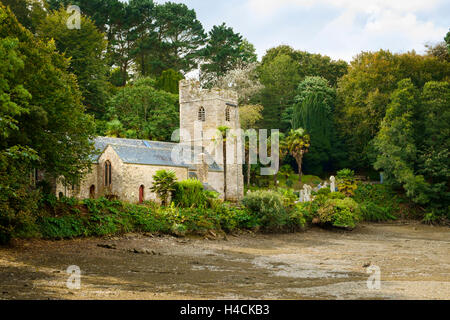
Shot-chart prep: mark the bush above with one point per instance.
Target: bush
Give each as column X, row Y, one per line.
column 377, row 202
column 288, row 196
column 346, row 182
column 343, row 213
column 324, row 191
column 18, row 201
column 189, row 193
column 268, row 208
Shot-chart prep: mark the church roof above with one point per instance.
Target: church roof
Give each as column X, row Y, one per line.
column 144, row 152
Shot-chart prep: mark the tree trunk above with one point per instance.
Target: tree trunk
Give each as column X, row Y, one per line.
column 248, row 168
column 224, row 169
column 299, row 163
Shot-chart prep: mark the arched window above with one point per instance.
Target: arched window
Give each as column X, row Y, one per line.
column 228, row 114
column 107, row 173
column 201, row 114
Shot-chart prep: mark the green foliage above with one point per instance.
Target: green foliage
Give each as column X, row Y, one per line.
column 268, row 207
column 143, row 112
column 346, row 182
column 282, row 69
column 364, row 95
column 169, row 81
column 413, row 145
column 297, row 144
column 18, row 201
column 180, row 34
column 313, row 110
column 163, row 184
column 447, row 41
column 85, row 49
column 28, row 12
column 224, row 51
column 189, row 193
column 377, row 202
column 42, row 102
column 343, row 213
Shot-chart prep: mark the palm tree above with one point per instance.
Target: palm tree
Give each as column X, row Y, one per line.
column 297, row 144
column 164, row 184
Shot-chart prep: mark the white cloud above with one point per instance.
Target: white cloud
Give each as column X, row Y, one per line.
column 358, row 25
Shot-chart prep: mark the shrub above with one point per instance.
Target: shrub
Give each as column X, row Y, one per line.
column 297, row 218
column 377, row 202
column 189, row 193
column 324, row 191
column 346, row 182
column 343, row 213
column 163, row 184
column 336, row 195
column 18, row 201
column 288, row 196
column 268, row 208
column 62, row 227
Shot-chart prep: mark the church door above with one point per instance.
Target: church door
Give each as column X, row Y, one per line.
column 141, row 194
column 92, row 192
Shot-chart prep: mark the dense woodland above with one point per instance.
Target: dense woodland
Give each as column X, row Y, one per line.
column 118, row 76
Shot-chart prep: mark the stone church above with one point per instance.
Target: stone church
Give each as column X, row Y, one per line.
column 124, row 168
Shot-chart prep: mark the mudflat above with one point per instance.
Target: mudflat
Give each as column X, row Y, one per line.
column 413, row 259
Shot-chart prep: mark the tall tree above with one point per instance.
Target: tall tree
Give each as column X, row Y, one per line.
column 145, row 112
column 282, row 69
column 447, row 41
column 29, row 13
column 49, row 117
column 224, row 50
column 433, row 143
column 313, row 111
column 244, row 81
column 396, row 143
column 280, row 78
column 169, row 81
column 249, row 115
column 180, row 36
column 364, row 93
column 86, row 48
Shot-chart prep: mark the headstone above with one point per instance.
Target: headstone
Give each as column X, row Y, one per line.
column 332, row 184
column 302, row 196
column 307, row 192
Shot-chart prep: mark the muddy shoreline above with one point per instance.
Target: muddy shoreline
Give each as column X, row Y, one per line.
column 414, row 261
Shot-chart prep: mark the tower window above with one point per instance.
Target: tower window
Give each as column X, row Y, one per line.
column 201, row 114
column 228, row 114
column 107, row 173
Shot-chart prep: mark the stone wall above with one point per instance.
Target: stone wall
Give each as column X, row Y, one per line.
column 135, row 175
column 126, row 179
column 80, row 190
column 215, row 102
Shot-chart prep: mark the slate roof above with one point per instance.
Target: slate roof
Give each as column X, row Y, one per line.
column 144, row 152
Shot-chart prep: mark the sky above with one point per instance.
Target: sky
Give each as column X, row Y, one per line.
column 337, row 28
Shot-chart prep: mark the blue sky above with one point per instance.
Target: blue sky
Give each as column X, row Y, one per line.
column 338, row 28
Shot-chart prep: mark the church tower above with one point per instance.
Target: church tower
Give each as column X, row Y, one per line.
column 211, row 109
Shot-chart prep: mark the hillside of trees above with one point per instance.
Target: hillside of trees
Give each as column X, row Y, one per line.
column 118, row 75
